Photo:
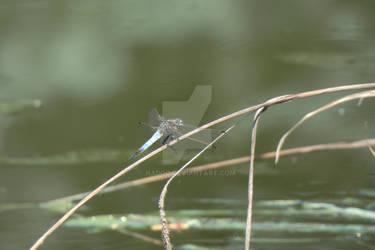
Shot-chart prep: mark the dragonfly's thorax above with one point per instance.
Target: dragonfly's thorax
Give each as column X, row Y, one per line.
column 170, row 126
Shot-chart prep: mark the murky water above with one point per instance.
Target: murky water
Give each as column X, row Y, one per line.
column 77, row 76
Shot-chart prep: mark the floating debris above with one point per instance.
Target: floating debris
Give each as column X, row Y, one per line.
column 317, row 210
column 71, row 157
column 237, row 243
column 195, row 247
column 368, row 193
column 18, row 106
column 147, row 222
column 76, row 157
column 15, row 206
column 60, row 206
column 331, row 61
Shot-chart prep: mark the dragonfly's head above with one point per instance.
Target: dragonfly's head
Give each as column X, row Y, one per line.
column 179, row 122
column 174, row 123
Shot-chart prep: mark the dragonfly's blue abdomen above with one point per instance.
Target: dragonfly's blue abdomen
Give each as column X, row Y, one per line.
column 156, row 136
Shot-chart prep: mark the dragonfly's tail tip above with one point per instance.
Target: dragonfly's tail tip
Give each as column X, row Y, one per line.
column 134, row 155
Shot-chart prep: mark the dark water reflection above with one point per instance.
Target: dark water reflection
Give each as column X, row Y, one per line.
column 99, row 67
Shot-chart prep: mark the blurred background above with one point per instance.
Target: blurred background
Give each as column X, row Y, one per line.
column 77, row 76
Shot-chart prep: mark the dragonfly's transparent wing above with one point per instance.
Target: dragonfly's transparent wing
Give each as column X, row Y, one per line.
column 154, row 117
column 147, row 125
column 152, row 124
column 196, row 141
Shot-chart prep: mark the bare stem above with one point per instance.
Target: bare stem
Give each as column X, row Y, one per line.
column 251, row 177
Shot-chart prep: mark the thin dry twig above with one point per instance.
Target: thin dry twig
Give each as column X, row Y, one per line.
column 251, row 177
column 164, row 222
column 273, row 101
column 347, row 98
column 163, row 218
column 83, row 201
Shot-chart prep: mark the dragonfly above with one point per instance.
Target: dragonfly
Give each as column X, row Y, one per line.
column 167, row 131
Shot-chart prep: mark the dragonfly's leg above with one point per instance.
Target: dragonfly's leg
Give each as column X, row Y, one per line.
column 165, row 140
column 168, row 139
column 174, row 137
